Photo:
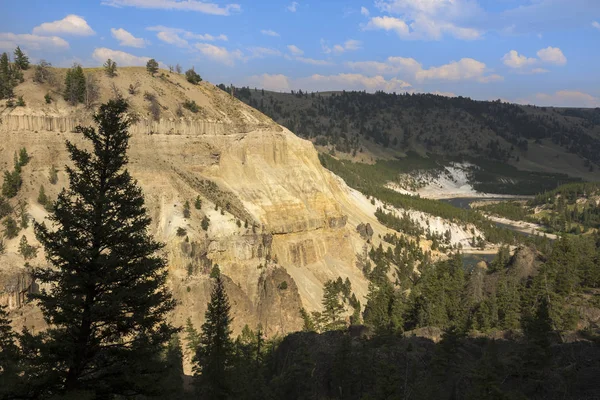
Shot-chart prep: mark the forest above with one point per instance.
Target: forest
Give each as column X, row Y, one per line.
column 442, row 125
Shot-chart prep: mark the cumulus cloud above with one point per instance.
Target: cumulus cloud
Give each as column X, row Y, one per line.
column 295, row 50
column 122, row 58
column 293, row 7
column 596, row 24
column 173, row 38
column 70, row 25
column 552, row 55
column 364, row 11
column 219, row 54
column 269, row 32
column 462, row 70
column 8, row 41
column 563, row 98
column 513, row 59
column 318, row 82
column 427, row 20
column 180, row 5
column 126, row 39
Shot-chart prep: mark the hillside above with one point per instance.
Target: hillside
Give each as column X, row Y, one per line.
column 365, row 127
column 280, row 226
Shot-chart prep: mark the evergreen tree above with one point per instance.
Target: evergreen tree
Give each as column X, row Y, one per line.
column 42, row 197
column 21, row 60
column 11, row 229
column 53, row 175
column 152, row 66
column 212, row 364
column 110, row 68
column 198, row 203
column 172, row 381
column 9, row 357
column 75, row 85
column 107, row 301
column 186, row 209
column 6, row 78
column 26, row 250
column 205, row 223
column 12, row 183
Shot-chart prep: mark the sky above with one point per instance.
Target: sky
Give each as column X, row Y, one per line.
column 544, row 52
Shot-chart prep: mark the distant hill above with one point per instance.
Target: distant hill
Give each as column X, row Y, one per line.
column 382, row 125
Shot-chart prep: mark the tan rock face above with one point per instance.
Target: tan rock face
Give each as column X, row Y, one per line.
column 276, row 215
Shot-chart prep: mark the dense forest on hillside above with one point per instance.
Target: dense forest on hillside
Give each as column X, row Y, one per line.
column 573, row 208
column 439, row 124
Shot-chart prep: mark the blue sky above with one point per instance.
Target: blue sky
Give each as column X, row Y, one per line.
column 544, row 52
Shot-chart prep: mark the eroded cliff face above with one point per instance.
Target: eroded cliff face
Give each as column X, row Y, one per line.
column 281, row 225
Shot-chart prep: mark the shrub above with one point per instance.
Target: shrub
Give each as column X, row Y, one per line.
column 20, row 102
column 48, row 98
column 186, row 209
column 181, row 231
column 192, row 76
column 191, row 105
column 283, row 285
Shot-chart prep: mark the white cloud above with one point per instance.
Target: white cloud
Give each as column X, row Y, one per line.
column 295, row 50
column 173, row 38
column 172, row 34
column 462, row 70
column 127, row 39
column 269, row 32
column 293, row 7
column 8, row 41
column 318, row 82
column 512, row 59
column 261, row 52
column 596, row 24
column 219, row 54
column 552, row 55
column 180, row 5
column 563, row 98
column 392, row 66
column 69, row 25
column 427, row 19
column 122, row 58
column 389, row 24
column 364, row 11
column 348, row 45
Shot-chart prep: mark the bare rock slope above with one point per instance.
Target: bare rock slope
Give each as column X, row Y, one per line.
column 275, row 214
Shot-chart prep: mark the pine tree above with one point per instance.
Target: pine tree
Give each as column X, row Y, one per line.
column 6, row 81
column 152, row 66
column 198, row 203
column 9, row 356
column 213, row 356
column 75, row 86
column 11, row 229
column 186, row 209
column 110, row 68
column 42, row 197
column 107, row 302
column 21, row 60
